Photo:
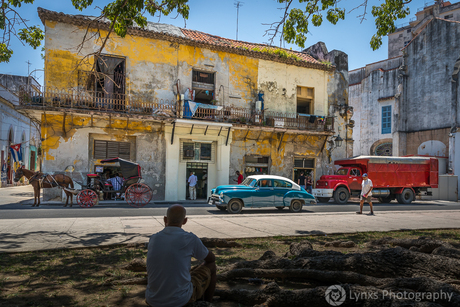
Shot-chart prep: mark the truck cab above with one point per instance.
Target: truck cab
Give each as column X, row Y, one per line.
column 340, row 185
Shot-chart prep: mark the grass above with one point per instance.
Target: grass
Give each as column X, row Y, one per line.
column 81, row 277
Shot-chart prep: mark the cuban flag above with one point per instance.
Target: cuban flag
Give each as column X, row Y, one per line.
column 16, row 152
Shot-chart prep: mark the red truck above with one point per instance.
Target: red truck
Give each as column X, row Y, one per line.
column 400, row 178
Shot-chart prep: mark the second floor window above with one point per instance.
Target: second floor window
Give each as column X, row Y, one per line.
column 203, row 83
column 110, row 149
column 305, row 99
column 386, row 119
column 110, row 77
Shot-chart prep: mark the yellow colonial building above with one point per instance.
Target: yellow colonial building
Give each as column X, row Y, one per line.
column 178, row 101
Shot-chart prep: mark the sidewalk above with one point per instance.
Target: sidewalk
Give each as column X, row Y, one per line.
column 17, row 235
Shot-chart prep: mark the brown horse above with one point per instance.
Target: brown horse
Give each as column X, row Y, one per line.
column 39, row 180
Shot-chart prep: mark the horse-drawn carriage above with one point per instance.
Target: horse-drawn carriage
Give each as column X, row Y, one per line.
column 137, row 194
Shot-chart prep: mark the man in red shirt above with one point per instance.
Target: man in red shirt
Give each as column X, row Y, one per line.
column 240, row 177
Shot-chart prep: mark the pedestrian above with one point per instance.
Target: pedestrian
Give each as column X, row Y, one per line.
column 240, row 177
column 309, row 184
column 204, row 184
column 301, row 180
column 170, row 280
column 366, row 194
column 192, row 180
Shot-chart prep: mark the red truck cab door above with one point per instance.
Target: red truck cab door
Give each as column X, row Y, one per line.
column 354, row 178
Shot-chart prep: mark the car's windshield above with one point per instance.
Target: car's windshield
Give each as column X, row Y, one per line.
column 249, row 182
column 342, row 171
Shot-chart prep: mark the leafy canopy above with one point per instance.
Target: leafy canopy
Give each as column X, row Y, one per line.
column 293, row 25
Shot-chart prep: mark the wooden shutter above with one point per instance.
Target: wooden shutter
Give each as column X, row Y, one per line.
column 109, row 149
column 100, row 149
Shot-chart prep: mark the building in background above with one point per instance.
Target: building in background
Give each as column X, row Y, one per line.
column 16, row 128
column 178, row 101
column 408, row 103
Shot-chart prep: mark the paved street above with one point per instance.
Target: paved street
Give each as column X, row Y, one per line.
column 16, row 203
column 23, row 228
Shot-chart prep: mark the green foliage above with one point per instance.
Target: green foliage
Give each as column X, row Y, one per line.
column 121, row 13
column 295, row 26
column 274, row 51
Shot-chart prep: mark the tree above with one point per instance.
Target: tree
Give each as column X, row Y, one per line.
column 121, row 14
column 293, row 25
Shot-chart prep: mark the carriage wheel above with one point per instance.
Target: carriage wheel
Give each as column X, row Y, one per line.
column 87, row 198
column 138, row 195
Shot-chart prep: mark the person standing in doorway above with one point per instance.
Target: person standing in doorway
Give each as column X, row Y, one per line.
column 240, row 177
column 204, row 184
column 192, row 180
column 309, row 184
column 366, row 194
column 301, row 180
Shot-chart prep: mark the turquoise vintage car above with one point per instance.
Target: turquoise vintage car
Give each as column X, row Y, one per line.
column 261, row 191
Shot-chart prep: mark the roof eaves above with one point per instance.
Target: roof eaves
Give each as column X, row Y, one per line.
column 86, row 21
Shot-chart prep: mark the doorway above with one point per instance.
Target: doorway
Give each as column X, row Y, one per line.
column 307, row 166
column 201, row 172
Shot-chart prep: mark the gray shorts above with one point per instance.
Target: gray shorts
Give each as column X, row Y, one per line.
column 368, row 199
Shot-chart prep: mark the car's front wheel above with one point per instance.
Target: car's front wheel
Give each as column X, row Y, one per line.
column 296, row 206
column 235, row 206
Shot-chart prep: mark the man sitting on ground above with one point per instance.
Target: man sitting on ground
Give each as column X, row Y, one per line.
column 170, row 280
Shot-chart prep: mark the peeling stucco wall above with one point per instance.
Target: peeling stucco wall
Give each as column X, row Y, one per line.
column 68, row 141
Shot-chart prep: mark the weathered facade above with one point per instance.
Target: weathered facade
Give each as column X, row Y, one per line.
column 408, row 105
column 177, row 100
column 16, row 128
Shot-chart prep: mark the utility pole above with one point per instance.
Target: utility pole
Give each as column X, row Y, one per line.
column 237, row 4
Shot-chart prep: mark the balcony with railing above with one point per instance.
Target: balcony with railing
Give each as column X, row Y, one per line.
column 83, row 101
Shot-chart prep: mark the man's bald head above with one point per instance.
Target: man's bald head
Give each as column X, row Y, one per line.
column 175, row 216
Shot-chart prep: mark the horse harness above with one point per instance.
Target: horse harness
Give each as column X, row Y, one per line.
column 44, row 178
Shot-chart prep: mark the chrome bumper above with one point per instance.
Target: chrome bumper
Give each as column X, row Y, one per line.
column 323, row 192
column 216, row 200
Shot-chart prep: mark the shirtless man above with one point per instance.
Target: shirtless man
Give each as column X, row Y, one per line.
column 170, row 280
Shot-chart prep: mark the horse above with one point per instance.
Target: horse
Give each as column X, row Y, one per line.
column 39, row 180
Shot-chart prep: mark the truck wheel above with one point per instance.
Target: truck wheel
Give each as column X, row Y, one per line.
column 296, row 206
column 235, row 206
column 385, row 200
column 406, row 197
column 324, row 199
column 341, row 195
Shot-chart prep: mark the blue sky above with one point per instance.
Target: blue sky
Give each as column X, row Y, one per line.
column 218, row 17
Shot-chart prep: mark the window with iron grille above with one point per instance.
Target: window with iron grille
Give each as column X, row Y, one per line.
column 196, row 151
column 110, row 149
column 386, row 119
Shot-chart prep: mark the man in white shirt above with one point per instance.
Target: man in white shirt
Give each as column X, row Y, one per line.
column 366, row 194
column 171, row 283
column 192, row 180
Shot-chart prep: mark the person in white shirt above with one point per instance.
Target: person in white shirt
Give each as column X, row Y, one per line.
column 192, row 180
column 170, row 282
column 366, row 194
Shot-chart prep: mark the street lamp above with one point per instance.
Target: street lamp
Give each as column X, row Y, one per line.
column 338, row 140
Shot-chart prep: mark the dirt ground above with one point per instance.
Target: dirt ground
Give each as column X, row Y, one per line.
column 85, row 277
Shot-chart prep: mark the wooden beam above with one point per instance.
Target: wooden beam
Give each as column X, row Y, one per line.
column 228, row 134
column 172, row 134
column 63, row 124
column 220, row 131
column 281, row 140
column 191, row 130
column 206, row 130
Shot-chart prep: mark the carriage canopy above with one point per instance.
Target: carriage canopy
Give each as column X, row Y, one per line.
column 128, row 169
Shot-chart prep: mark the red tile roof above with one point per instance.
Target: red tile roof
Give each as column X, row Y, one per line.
column 198, row 39
column 221, row 41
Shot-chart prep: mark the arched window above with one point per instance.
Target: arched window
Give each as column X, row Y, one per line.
column 385, row 149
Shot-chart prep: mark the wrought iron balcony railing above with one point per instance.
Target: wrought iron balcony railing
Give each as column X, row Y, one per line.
column 120, row 103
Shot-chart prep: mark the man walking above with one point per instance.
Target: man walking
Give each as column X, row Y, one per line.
column 240, row 177
column 366, row 194
column 192, row 180
column 171, row 283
